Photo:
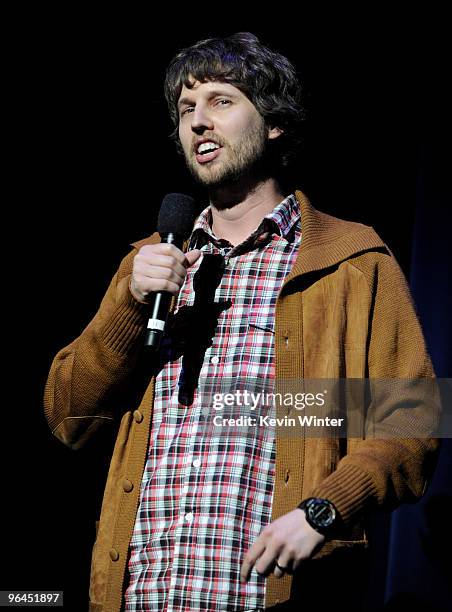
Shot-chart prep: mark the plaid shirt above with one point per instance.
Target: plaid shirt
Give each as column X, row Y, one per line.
column 205, row 499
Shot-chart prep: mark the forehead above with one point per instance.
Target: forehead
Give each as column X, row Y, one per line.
column 198, row 88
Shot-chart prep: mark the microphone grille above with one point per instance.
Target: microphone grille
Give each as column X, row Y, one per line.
column 177, row 214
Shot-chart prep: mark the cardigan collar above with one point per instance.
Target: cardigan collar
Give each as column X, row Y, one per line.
column 326, row 240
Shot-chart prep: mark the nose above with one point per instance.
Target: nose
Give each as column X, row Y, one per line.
column 201, row 119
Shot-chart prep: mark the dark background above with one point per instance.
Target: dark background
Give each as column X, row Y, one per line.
column 92, row 161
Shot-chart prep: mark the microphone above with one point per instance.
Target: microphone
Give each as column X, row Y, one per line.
column 175, row 223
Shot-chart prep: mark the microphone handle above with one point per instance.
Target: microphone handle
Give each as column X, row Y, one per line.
column 160, row 305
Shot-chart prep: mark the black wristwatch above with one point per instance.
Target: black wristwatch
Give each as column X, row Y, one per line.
column 321, row 514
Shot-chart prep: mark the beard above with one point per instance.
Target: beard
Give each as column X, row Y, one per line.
column 245, row 159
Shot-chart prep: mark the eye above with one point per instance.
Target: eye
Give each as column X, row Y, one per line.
column 223, row 102
column 186, row 110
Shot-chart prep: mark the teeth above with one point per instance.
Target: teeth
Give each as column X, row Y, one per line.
column 207, row 147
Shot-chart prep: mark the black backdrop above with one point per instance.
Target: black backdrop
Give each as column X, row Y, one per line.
column 91, row 161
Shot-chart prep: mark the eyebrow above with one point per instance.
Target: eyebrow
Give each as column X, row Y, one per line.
column 212, row 94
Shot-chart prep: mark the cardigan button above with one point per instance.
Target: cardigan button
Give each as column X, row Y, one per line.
column 114, row 555
column 137, row 415
column 127, row 485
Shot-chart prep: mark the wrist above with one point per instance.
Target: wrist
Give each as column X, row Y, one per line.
column 321, row 514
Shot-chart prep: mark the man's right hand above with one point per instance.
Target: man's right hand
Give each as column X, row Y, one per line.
column 160, row 267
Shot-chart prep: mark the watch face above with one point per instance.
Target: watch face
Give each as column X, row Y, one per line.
column 321, row 512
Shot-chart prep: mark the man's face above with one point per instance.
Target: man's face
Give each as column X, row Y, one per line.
column 223, row 136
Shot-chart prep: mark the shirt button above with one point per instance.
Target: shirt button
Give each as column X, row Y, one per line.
column 114, row 555
column 196, row 463
column 215, row 359
column 138, row 416
column 127, row 485
column 189, row 517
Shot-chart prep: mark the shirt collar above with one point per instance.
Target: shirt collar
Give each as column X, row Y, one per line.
column 284, row 219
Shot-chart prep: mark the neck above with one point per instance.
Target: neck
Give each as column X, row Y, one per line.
column 237, row 211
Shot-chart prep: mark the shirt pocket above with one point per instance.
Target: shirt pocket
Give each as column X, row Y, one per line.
column 261, row 323
column 260, row 346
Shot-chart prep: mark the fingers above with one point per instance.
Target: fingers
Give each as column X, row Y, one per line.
column 264, row 560
column 278, row 572
column 192, row 257
column 157, row 265
column 281, row 560
column 286, row 542
column 251, row 557
column 262, row 555
column 160, row 267
column 284, row 564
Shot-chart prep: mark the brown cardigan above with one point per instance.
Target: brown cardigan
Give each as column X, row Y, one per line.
column 344, row 311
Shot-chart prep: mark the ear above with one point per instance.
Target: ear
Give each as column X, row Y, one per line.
column 274, row 132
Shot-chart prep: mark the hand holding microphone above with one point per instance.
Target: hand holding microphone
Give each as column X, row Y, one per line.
column 160, row 267
column 159, row 270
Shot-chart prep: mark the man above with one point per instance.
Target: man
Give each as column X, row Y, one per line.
column 196, row 521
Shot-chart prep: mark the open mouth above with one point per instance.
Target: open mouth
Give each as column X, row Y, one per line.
column 207, row 151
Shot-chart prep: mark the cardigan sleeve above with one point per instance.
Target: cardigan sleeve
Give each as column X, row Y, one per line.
column 391, row 464
column 88, row 375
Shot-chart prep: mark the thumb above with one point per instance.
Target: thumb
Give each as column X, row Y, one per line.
column 192, row 256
